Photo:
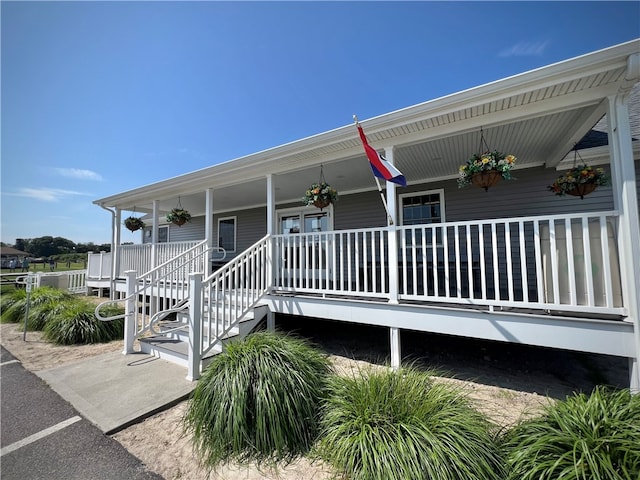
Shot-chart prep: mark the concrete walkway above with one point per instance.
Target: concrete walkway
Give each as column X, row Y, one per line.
column 114, row 390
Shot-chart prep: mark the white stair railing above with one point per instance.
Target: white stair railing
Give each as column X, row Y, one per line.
column 219, row 302
column 156, row 290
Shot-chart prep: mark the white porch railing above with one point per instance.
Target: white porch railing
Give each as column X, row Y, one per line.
column 156, row 290
column 99, row 266
column 73, row 281
column 145, row 257
column 229, row 294
column 563, row 262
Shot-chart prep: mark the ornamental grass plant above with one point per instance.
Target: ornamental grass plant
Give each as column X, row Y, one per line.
column 594, row 437
column 76, row 323
column 259, row 400
column 398, row 425
column 12, row 305
column 46, row 303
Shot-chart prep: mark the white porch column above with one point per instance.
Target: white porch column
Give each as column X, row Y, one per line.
column 154, row 232
column 271, row 230
column 117, row 241
column 394, row 340
column 271, row 205
column 208, row 230
column 626, row 203
column 393, row 235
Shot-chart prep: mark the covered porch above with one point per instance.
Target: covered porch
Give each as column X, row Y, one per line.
column 515, row 250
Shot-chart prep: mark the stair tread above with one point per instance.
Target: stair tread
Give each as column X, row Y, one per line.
column 173, row 345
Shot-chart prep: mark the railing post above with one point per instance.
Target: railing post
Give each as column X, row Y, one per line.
column 271, row 255
column 394, row 340
column 392, row 245
column 130, row 314
column 195, row 326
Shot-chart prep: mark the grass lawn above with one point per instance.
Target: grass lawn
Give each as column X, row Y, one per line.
column 44, row 267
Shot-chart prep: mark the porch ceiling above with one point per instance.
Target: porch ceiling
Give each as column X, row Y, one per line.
column 538, row 116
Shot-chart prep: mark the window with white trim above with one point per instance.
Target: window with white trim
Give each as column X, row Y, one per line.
column 422, row 207
column 227, row 233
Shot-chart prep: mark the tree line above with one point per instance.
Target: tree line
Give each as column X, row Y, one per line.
column 58, row 247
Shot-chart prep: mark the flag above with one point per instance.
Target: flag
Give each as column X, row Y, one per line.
column 381, row 168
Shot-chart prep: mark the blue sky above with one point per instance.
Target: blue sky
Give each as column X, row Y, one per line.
column 102, row 97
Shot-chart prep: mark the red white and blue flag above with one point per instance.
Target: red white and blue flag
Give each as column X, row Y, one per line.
column 381, row 168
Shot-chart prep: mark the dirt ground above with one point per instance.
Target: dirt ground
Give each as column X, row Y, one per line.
column 507, row 382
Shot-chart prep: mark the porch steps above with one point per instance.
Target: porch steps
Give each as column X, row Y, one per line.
column 173, row 345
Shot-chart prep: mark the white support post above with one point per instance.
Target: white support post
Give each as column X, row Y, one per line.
column 394, row 340
column 271, row 321
column 154, row 231
column 115, row 259
column 393, row 233
column 208, row 230
column 626, row 203
column 195, row 326
column 271, row 205
column 130, row 312
column 271, row 229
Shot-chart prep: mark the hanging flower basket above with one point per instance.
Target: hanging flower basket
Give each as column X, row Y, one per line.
column 133, row 223
column 486, row 179
column 486, row 169
column 178, row 216
column 581, row 180
column 320, row 195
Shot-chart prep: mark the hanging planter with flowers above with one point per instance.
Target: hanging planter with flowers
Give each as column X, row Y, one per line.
column 133, row 223
column 581, row 180
column 486, row 169
column 320, row 194
column 178, row 216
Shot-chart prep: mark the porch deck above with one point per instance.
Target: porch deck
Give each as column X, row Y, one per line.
column 548, row 281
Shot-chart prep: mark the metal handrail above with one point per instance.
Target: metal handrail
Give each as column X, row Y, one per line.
column 158, row 316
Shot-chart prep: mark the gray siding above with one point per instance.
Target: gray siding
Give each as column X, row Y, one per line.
column 526, row 195
column 362, row 210
column 193, row 230
column 251, row 226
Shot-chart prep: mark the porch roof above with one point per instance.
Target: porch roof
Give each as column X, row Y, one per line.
column 537, row 115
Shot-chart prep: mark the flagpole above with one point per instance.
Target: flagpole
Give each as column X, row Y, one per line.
column 382, row 197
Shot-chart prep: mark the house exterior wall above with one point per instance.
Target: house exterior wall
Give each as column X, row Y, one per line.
column 251, row 226
column 527, row 195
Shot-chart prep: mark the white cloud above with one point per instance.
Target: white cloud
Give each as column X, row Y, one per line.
column 45, row 194
column 525, row 49
column 78, row 173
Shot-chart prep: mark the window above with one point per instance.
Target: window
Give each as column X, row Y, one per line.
column 227, row 233
column 422, row 207
column 304, row 220
column 163, row 234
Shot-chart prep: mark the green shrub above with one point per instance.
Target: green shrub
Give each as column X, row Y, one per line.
column 6, row 289
column 258, row 400
column 593, row 437
column 46, row 303
column 12, row 306
column 77, row 324
column 387, row 425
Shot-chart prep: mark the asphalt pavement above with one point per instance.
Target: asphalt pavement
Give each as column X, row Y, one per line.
column 42, row 436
